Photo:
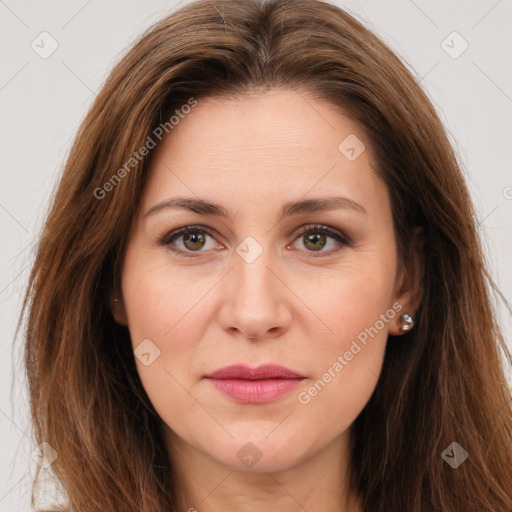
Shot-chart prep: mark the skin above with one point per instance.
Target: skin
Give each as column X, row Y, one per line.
column 214, row 309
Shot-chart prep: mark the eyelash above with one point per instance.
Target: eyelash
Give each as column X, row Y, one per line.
column 168, row 238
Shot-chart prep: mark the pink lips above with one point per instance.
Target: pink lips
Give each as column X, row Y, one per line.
column 259, row 385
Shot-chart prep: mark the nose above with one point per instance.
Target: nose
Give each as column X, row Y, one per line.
column 256, row 301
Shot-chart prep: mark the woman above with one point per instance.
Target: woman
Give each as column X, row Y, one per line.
column 260, row 284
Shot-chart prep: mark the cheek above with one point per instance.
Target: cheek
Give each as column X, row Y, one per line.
column 164, row 316
column 356, row 307
column 359, row 320
column 350, row 301
column 347, row 368
column 161, row 301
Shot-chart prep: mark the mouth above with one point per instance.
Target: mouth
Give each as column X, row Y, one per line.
column 263, row 384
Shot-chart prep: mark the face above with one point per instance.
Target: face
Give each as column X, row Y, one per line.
column 314, row 288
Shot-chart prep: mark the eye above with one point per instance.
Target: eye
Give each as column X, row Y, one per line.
column 194, row 239
column 315, row 238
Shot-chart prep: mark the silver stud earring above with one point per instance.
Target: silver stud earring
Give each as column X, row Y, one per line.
column 405, row 322
column 116, row 300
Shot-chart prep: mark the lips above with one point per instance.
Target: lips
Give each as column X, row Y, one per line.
column 259, row 385
column 267, row 371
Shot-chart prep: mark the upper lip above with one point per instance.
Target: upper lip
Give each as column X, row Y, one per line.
column 265, row 371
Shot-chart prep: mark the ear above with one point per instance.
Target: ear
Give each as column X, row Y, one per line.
column 117, row 308
column 409, row 282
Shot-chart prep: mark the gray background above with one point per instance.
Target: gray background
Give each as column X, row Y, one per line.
column 42, row 102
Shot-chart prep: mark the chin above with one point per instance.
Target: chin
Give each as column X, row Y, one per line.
column 259, row 455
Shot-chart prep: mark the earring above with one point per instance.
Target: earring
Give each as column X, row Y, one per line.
column 405, row 322
column 116, row 299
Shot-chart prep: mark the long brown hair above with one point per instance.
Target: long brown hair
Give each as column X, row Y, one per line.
column 443, row 382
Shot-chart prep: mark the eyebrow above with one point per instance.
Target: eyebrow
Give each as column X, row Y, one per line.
column 291, row 208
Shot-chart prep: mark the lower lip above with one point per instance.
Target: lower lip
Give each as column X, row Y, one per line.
column 255, row 391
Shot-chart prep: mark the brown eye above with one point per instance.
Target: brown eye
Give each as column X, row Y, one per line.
column 188, row 240
column 316, row 238
column 194, row 240
column 315, row 242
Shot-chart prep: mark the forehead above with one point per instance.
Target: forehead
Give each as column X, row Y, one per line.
column 276, row 144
